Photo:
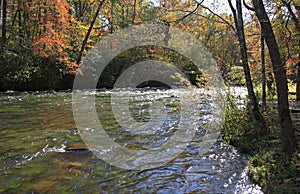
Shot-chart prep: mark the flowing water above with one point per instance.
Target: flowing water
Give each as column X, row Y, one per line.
column 42, row 151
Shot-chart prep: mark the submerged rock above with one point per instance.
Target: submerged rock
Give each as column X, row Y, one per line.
column 76, row 147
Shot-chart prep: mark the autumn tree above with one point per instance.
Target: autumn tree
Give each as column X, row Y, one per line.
column 39, row 37
column 239, row 23
column 89, row 32
column 288, row 138
column 293, row 11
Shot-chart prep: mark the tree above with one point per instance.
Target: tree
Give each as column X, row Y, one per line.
column 288, row 138
column 89, row 32
column 297, row 26
column 4, row 16
column 239, row 23
column 54, row 31
column 263, row 69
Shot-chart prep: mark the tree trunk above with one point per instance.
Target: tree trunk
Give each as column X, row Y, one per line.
column 263, row 70
column 297, row 25
column 4, row 17
column 89, row 32
column 298, row 79
column 238, row 18
column 288, row 138
column 112, row 17
column 134, row 10
column 20, row 27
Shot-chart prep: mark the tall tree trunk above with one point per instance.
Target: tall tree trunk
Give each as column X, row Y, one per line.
column 297, row 25
column 263, row 69
column 89, row 32
column 112, row 17
column 4, row 17
column 20, row 27
column 298, row 78
column 134, row 10
column 238, row 18
column 288, row 138
column 1, row 8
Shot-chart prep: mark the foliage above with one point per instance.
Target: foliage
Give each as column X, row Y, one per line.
column 55, row 29
column 31, row 74
column 268, row 166
column 138, row 54
column 238, row 122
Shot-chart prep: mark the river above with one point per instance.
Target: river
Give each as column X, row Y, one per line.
column 42, row 151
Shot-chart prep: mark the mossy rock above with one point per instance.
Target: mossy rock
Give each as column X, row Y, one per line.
column 76, row 147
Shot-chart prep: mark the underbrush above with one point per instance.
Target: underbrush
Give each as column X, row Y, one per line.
column 268, row 166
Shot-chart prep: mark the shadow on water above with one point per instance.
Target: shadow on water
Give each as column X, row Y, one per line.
column 41, row 150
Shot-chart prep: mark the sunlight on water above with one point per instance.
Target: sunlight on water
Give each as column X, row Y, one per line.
column 42, row 151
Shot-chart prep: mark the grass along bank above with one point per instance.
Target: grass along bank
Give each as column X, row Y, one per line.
column 268, row 166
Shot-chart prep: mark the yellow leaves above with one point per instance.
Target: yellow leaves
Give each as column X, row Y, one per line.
column 199, row 28
column 175, row 110
column 137, row 20
column 188, row 3
column 171, row 16
column 138, row 8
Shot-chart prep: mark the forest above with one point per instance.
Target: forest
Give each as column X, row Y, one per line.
column 42, row 42
column 256, row 44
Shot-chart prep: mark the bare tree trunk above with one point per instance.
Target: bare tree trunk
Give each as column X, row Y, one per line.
column 112, row 17
column 297, row 25
column 238, row 18
column 288, row 138
column 134, row 10
column 4, row 17
column 1, row 7
column 263, row 70
column 298, row 78
column 89, row 32
column 20, row 27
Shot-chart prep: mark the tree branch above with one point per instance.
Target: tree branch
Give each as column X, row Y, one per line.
column 233, row 12
column 187, row 15
column 193, row 12
column 221, row 18
column 288, row 40
column 223, row 21
column 247, row 6
column 293, row 15
column 89, row 32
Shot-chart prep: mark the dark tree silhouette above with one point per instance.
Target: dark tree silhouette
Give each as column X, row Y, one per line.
column 288, row 137
column 238, row 19
column 89, row 32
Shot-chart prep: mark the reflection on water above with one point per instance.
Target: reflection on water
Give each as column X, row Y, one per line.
column 41, row 150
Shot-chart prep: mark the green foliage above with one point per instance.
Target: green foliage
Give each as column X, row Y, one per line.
column 236, row 122
column 19, row 66
column 138, row 54
column 236, row 76
column 268, row 166
column 274, row 172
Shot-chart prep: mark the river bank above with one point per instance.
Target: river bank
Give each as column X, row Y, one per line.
column 268, row 166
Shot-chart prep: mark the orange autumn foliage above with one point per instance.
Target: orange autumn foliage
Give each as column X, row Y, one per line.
column 55, row 30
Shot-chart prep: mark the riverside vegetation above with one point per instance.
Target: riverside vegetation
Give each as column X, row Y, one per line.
column 268, row 165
